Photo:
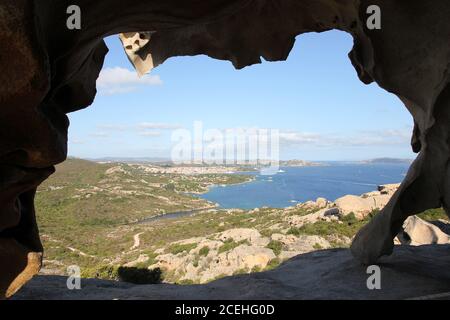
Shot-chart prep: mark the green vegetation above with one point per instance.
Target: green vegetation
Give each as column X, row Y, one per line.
column 256, row 269
column 196, row 261
column 220, row 276
column 179, row 248
column 91, row 208
column 317, row 246
column 241, row 271
column 151, row 260
column 204, row 251
column 88, row 213
column 273, row 264
column 230, row 244
column 134, row 275
column 347, row 226
column 434, row 214
column 101, row 272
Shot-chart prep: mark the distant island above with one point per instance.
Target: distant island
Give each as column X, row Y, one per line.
column 155, row 160
column 388, row 161
column 165, row 162
column 300, row 163
column 168, row 163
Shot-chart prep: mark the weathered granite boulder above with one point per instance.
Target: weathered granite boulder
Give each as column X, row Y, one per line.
column 322, row 203
column 241, row 234
column 388, row 188
column 362, row 205
column 326, row 214
column 303, row 244
column 410, row 273
column 224, row 253
column 418, row 232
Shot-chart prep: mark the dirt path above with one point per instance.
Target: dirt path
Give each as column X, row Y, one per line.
column 137, row 241
column 81, row 253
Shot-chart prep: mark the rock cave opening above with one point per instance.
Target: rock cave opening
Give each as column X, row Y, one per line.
column 55, row 69
column 127, row 131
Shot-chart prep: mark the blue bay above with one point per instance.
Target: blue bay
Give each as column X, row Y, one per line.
column 300, row 184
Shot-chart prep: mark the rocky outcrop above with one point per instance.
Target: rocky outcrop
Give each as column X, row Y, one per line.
column 233, row 251
column 49, row 70
column 288, row 232
column 410, row 273
column 245, row 250
column 358, row 205
column 361, row 206
column 298, row 245
column 417, row 232
column 326, row 214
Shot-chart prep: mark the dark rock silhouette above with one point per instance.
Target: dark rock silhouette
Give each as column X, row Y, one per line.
column 410, row 273
column 49, row 70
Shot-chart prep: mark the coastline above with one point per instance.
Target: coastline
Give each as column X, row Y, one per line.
column 173, row 215
column 191, row 211
column 300, row 184
column 213, row 185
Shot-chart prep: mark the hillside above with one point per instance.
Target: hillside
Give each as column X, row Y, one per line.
column 84, row 204
column 96, row 216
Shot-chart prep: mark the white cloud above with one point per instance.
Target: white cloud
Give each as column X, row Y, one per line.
column 150, row 133
column 295, row 137
column 99, row 135
column 119, row 80
column 153, row 129
column 112, row 127
column 159, row 125
column 144, row 129
column 387, row 137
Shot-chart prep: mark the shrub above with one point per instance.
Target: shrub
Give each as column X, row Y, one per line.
column 170, row 187
column 275, row 246
column 204, row 251
column 268, row 232
column 293, row 231
column 220, row 276
column 273, row 264
column 348, row 227
column 196, row 261
column 185, row 282
column 230, row 244
column 433, row 215
column 317, row 246
column 349, row 219
column 151, row 260
column 240, row 271
column 106, row 272
column 256, row 269
column 178, row 248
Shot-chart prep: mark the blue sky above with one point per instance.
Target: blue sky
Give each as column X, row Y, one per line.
column 314, row 98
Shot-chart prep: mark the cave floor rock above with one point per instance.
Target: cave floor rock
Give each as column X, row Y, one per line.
column 411, row 272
